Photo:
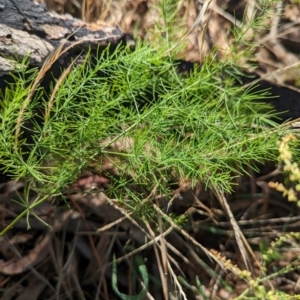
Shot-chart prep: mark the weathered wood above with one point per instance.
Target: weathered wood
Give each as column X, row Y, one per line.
column 30, row 29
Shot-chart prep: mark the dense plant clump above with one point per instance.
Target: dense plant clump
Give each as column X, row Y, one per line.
column 198, row 126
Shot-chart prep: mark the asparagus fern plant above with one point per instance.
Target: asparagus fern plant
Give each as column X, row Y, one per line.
column 200, row 125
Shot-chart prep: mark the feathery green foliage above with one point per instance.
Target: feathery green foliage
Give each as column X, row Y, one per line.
column 198, row 126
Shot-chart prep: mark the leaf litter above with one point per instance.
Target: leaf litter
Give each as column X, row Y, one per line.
column 73, row 257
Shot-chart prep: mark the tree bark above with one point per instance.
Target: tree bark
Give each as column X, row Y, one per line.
column 27, row 29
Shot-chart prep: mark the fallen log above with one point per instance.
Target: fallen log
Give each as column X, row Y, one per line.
column 27, row 29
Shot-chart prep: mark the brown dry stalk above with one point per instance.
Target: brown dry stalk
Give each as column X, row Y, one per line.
column 51, row 59
column 56, row 88
column 240, row 239
column 196, row 23
column 185, row 234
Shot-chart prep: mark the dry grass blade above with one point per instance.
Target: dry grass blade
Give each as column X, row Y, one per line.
column 196, row 23
column 51, row 59
column 185, row 234
column 164, row 256
column 156, row 239
column 160, row 262
column 278, row 71
column 56, row 88
column 110, row 225
column 45, row 67
column 177, row 283
column 240, row 239
column 127, row 215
